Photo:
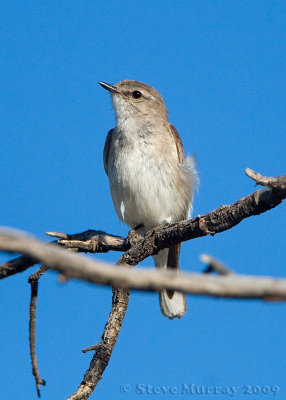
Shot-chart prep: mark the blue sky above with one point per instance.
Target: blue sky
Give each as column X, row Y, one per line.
column 220, row 67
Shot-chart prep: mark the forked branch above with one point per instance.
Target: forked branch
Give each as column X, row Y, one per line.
column 72, row 265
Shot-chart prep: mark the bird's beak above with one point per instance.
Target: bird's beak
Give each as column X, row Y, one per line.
column 110, row 88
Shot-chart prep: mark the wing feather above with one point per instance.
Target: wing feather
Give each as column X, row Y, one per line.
column 178, row 143
column 106, row 150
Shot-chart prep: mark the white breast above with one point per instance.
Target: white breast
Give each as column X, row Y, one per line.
column 147, row 183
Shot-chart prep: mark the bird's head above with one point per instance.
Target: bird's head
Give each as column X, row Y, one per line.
column 136, row 99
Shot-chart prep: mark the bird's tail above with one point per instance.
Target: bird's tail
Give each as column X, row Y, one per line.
column 173, row 304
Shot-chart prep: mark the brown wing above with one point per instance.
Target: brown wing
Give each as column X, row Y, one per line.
column 174, row 251
column 106, row 150
column 178, row 143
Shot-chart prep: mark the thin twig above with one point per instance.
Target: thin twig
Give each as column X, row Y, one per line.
column 15, row 266
column 92, row 241
column 278, row 182
column 95, row 242
column 93, row 347
column 58, row 235
column 34, row 281
column 213, row 264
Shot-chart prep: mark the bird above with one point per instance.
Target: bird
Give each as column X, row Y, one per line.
column 151, row 181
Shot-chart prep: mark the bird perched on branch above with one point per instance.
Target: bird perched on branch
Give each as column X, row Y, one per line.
column 151, row 181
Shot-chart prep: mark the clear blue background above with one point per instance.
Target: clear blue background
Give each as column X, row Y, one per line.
column 221, row 68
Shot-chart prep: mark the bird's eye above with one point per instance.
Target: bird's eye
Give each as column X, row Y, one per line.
column 136, row 94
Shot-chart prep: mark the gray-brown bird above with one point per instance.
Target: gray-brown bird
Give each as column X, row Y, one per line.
column 151, row 181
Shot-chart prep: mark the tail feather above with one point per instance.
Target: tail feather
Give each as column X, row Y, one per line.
column 175, row 307
column 172, row 303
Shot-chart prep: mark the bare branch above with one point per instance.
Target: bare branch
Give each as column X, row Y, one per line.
column 58, row 235
column 79, row 267
column 34, row 280
column 214, row 265
column 219, row 220
column 15, row 266
column 92, row 241
column 72, row 265
column 104, row 349
column 278, row 182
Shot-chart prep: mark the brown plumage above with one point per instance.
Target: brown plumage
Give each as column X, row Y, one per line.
column 151, row 181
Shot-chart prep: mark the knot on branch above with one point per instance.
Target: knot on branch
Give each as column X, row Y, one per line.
column 204, row 228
